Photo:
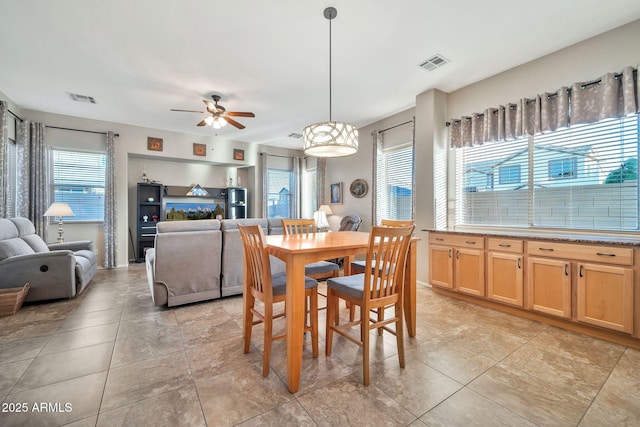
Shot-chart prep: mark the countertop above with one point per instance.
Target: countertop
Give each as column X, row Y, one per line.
column 602, row 239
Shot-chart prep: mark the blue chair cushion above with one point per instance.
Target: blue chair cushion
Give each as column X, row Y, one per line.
column 279, row 283
column 321, row 267
column 349, row 285
column 357, row 267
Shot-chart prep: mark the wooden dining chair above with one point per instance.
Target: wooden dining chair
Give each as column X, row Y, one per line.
column 319, row 269
column 378, row 288
column 358, row 267
column 270, row 289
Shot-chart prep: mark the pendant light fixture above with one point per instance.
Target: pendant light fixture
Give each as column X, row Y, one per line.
column 330, row 139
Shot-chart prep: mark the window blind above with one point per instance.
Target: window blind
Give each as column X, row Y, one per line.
column 584, row 177
column 279, row 189
column 394, row 192
column 78, row 180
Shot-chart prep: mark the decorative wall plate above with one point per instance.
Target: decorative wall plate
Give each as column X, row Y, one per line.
column 359, row 188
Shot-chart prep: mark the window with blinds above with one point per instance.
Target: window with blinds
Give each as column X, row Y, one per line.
column 584, row 178
column 394, row 184
column 78, row 180
column 279, row 193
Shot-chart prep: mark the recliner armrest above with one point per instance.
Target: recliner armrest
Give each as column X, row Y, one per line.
column 50, row 275
column 72, row 246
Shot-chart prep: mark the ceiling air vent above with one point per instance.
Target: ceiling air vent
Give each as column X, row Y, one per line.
column 82, row 98
column 434, row 62
column 295, row 135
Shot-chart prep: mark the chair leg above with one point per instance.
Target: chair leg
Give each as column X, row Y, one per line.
column 268, row 338
column 364, row 332
column 400, row 334
column 380, row 319
column 248, row 323
column 314, row 321
column 331, row 308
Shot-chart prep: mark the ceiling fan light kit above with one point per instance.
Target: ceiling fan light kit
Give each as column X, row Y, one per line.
column 330, row 139
column 219, row 116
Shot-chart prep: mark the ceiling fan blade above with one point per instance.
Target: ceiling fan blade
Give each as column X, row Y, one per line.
column 239, row 114
column 234, row 123
column 202, row 123
column 189, row 111
column 211, row 107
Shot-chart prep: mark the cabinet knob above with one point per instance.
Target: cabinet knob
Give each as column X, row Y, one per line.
column 566, row 269
column 519, row 263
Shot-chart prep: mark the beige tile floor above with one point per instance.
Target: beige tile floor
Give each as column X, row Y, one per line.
column 114, row 359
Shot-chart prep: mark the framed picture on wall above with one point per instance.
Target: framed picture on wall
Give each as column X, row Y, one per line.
column 154, row 144
column 199, row 149
column 238, row 154
column 336, row 193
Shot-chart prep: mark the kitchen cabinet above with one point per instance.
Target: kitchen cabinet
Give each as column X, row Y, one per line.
column 549, row 286
column 505, row 271
column 605, row 296
column 457, row 262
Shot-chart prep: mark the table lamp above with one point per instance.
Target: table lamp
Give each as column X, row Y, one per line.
column 59, row 210
column 320, row 217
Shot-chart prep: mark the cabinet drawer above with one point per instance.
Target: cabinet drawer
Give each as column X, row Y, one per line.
column 458, row 240
column 505, row 245
column 605, row 254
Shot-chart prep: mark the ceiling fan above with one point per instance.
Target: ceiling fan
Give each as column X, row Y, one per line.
column 219, row 115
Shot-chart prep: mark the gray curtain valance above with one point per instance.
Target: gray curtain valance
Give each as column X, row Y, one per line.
column 612, row 95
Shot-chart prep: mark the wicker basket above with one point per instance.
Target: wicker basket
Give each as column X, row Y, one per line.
column 11, row 299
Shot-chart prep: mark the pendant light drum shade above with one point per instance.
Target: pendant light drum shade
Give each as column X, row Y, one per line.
column 330, row 139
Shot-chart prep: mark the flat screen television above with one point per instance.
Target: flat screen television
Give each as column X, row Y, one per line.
column 193, row 211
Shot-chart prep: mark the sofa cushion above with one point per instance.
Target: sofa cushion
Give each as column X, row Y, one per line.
column 200, row 225
column 8, row 229
column 14, row 247
column 275, row 226
column 36, row 243
column 24, row 226
column 232, row 224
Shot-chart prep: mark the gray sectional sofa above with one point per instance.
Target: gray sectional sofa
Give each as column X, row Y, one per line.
column 53, row 271
column 201, row 260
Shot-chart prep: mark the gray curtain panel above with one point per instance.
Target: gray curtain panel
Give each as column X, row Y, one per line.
column 321, row 166
column 40, row 174
column 110, row 209
column 4, row 141
column 297, row 179
column 377, row 150
column 612, row 95
column 22, row 169
column 264, row 166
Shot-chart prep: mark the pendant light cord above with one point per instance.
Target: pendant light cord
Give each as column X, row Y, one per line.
column 330, row 91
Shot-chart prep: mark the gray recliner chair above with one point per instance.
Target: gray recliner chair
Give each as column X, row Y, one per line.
column 57, row 270
column 184, row 266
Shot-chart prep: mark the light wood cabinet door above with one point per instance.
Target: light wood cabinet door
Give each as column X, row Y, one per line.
column 441, row 266
column 549, row 286
column 605, row 296
column 505, row 278
column 469, row 267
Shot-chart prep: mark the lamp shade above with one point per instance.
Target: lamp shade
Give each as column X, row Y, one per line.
column 320, row 217
column 330, row 139
column 59, row 209
column 326, row 209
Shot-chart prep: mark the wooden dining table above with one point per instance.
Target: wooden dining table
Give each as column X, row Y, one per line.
column 297, row 250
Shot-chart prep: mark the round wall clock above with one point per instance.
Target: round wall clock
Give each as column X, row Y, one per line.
column 359, row 188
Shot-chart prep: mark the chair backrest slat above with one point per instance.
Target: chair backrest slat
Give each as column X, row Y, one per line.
column 298, row 226
column 257, row 259
column 387, row 253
